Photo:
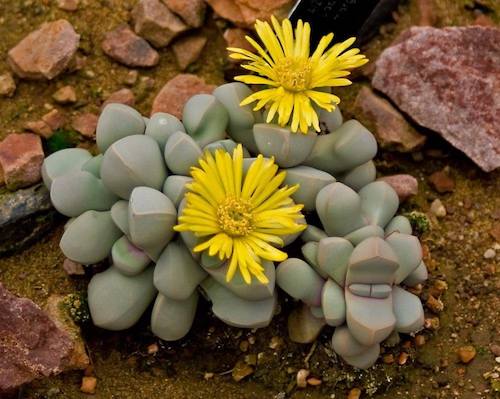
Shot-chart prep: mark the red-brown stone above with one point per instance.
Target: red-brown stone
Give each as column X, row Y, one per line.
column 21, row 157
column 45, row 52
column 405, row 185
column 124, row 46
column 85, row 124
column 448, row 80
column 55, row 119
column 177, row 91
column 188, row 49
column 442, row 182
column 156, row 23
column 122, row 96
column 191, row 11
column 31, row 345
column 388, row 125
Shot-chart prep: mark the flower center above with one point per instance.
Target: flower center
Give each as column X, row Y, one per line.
column 294, row 73
column 234, row 216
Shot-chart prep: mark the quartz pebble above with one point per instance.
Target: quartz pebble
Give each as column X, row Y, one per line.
column 7, row 85
column 65, row 95
column 489, row 253
column 437, row 208
column 302, row 375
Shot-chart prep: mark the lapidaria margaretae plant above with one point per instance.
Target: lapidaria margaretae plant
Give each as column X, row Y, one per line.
column 238, row 192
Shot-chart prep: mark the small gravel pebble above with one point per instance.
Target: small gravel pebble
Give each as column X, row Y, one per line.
column 466, row 353
column 437, row 208
column 489, row 253
column 88, row 385
column 302, row 375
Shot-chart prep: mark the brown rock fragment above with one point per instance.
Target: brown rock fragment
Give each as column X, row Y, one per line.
column 404, row 185
column 124, row 46
column 177, row 91
column 122, row 96
column 55, row 119
column 156, row 23
column 21, row 157
column 188, row 49
column 191, row 11
column 65, row 95
column 85, row 124
column 45, row 52
column 389, row 127
column 466, row 354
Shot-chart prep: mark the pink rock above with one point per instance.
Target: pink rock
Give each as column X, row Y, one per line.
column 21, row 157
column 235, row 37
column 188, row 49
column 39, row 127
column 85, row 124
column 404, row 185
column 442, row 181
column 387, row 124
column 191, row 11
column 448, row 80
column 156, row 23
column 122, row 96
column 45, row 52
column 263, row 9
column 244, row 13
column 124, row 46
column 68, row 5
column 32, row 346
column 177, row 91
column 73, row 268
column 228, row 9
column 55, row 119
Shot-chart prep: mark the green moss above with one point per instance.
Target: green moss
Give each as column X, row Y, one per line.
column 419, row 222
column 62, row 139
column 77, row 307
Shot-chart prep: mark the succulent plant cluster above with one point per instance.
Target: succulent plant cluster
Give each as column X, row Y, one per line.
column 124, row 203
column 352, row 270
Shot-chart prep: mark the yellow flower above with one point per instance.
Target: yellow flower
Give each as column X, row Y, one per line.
column 296, row 80
column 240, row 218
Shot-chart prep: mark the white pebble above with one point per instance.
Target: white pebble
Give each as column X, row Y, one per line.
column 489, row 253
column 437, row 208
